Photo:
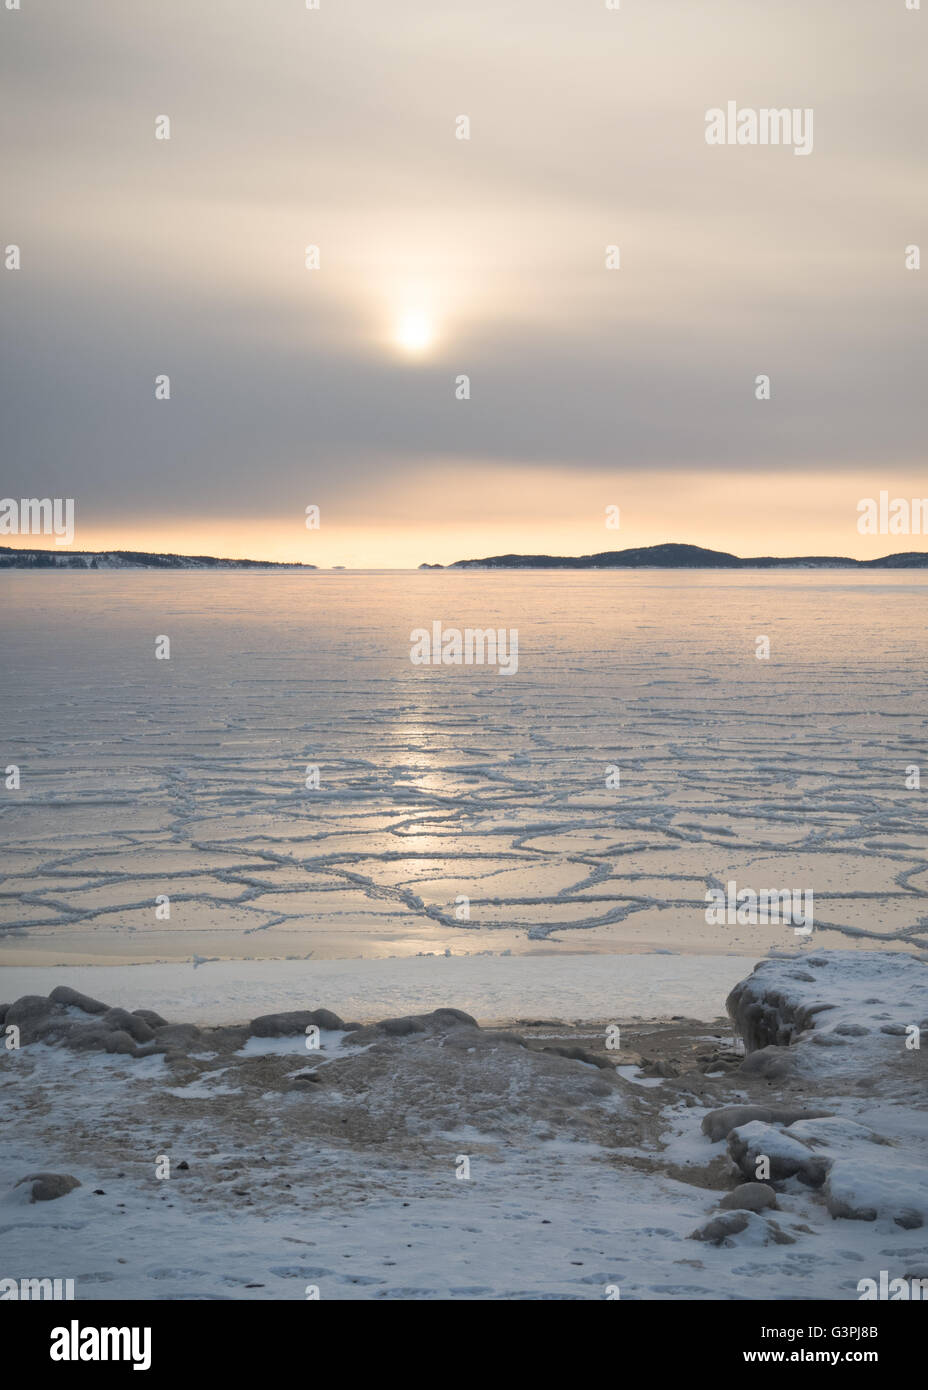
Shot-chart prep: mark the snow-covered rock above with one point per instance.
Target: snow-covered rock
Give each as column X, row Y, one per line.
column 851, row 1023
column 718, row 1124
column 749, row 1196
column 742, row 1227
column 843, row 994
column 786, row 1157
column 46, row 1187
column 898, row 1193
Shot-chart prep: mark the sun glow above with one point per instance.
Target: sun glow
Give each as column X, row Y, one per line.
column 414, row 331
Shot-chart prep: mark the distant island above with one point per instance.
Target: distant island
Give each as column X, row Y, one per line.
column 667, row 556
column 673, row 556
column 11, row 559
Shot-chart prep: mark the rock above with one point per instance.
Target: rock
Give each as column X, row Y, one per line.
column 859, row 1193
column 718, row 1124
column 788, row 1157
column 176, row 1035
column 29, row 1009
column 467, row 1039
column 766, row 1014
column 598, row 1088
column 33, row 1014
column 850, row 1206
column 97, row 1037
column 895, row 1029
column 580, row 1054
column 297, row 1021
column 47, row 1186
column 778, row 1235
column 712, row 1065
column 63, row 994
column 395, row 1027
column 149, row 1016
column 852, row 1030
column 721, row 1228
column 749, row 1196
column 837, row 1132
column 439, row 1021
column 465, row 1036
column 773, row 1062
column 442, row 1019
column 659, row 1067
column 113, row 1030
column 122, row 1021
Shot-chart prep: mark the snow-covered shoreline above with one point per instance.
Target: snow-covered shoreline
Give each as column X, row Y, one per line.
column 428, row 1157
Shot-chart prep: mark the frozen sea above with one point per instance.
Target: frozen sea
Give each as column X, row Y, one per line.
column 458, row 810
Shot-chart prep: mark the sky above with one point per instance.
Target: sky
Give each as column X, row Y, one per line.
column 442, row 257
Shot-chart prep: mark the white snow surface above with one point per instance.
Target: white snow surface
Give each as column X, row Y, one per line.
column 559, row 1204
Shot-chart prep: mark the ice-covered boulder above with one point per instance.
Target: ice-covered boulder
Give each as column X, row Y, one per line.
column 749, row 1196
column 296, row 1021
column 718, row 1124
column 807, row 1149
column 861, row 1192
column 30, row 1014
column 742, row 1228
column 787, row 1156
column 72, row 998
column 438, row 1021
column 846, row 995
column 45, row 1187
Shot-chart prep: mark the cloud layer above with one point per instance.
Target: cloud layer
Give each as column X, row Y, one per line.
column 337, row 128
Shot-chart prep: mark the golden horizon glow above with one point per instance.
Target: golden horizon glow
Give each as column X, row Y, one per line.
column 438, row 513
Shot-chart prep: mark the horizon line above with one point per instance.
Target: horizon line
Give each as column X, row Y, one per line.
column 59, row 558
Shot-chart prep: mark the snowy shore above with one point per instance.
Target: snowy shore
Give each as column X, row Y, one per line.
column 432, row 1158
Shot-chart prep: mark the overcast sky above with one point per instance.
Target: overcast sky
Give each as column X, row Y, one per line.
column 589, row 387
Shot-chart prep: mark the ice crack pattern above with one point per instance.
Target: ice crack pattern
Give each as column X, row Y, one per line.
column 186, row 778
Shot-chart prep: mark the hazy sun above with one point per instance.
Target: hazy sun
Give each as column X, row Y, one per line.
column 414, row 331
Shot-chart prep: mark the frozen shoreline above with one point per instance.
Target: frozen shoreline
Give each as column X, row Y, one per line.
column 237, row 1163
column 492, row 988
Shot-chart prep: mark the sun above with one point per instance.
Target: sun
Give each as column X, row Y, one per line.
column 414, row 331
